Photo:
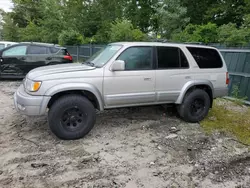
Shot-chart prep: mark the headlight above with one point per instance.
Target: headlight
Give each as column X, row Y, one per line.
column 32, row 86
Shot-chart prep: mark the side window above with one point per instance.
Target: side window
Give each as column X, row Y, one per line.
column 171, row 58
column 137, row 58
column 1, row 46
column 15, row 51
column 37, row 50
column 54, row 50
column 206, row 58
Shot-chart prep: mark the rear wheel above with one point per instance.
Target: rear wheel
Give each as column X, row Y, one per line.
column 195, row 106
column 71, row 117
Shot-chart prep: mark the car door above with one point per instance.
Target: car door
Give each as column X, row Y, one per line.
column 172, row 72
column 136, row 84
column 13, row 61
column 37, row 56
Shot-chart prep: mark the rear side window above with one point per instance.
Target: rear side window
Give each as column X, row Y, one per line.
column 54, row 50
column 1, row 46
column 37, row 50
column 206, row 58
column 63, row 52
column 171, row 58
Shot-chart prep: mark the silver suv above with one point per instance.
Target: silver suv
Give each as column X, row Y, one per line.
column 123, row 75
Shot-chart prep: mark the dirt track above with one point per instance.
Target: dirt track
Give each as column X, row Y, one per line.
column 127, row 148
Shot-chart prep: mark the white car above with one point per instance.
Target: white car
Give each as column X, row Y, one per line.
column 123, row 75
column 4, row 44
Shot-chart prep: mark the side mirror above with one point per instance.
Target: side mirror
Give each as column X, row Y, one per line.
column 118, row 65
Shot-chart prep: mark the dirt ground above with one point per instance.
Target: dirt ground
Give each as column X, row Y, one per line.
column 138, row 147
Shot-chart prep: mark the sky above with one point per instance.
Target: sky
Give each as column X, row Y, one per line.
column 6, row 5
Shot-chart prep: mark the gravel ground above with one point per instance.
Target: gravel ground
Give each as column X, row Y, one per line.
column 138, row 147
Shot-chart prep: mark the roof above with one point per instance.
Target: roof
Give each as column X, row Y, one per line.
column 8, row 42
column 161, row 44
column 41, row 43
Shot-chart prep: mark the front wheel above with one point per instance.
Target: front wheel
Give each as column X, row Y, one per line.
column 71, row 117
column 195, row 106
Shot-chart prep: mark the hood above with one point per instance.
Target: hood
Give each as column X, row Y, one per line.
column 55, row 69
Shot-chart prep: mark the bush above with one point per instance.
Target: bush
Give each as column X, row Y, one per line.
column 124, row 31
column 70, row 37
column 198, row 33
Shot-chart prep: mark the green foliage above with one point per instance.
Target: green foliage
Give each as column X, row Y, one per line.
column 229, row 34
column 124, row 31
column 236, row 95
column 225, row 117
column 10, row 31
column 179, row 20
column 172, row 17
column 30, row 33
column 197, row 33
column 70, row 37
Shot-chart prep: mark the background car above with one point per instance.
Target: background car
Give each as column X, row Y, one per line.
column 17, row 60
column 4, row 44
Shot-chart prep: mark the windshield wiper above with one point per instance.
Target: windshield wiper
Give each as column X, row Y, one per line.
column 89, row 63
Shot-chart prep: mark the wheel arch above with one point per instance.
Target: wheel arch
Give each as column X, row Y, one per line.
column 86, row 90
column 191, row 85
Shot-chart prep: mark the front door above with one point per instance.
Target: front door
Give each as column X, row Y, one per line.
column 136, row 84
column 13, row 61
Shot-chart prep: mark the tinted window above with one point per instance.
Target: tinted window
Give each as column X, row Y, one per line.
column 1, row 46
column 54, row 50
column 170, row 58
column 137, row 58
column 63, row 52
column 206, row 58
column 37, row 50
column 15, row 51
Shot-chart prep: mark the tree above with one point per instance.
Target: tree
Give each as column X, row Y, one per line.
column 141, row 13
column 10, row 31
column 196, row 10
column 227, row 11
column 198, row 33
column 124, row 31
column 70, row 37
column 172, row 17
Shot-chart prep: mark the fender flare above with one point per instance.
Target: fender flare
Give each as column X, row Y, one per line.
column 77, row 86
column 190, row 84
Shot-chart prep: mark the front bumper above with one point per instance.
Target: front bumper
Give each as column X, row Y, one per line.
column 28, row 104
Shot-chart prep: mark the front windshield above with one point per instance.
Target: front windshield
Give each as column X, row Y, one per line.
column 101, row 57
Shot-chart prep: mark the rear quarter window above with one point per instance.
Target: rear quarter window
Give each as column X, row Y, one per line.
column 206, row 58
column 60, row 51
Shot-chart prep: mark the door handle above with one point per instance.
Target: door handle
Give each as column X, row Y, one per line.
column 48, row 58
column 147, row 79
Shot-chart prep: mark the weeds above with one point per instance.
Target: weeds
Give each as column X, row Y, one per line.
column 229, row 120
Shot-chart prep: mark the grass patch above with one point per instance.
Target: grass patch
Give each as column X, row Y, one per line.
column 230, row 118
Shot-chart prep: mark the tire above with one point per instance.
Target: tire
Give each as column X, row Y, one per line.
column 71, row 117
column 195, row 106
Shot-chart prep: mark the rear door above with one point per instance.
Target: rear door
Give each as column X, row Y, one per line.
column 172, row 73
column 13, row 61
column 37, row 56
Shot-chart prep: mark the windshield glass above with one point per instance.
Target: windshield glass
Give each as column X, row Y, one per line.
column 101, row 57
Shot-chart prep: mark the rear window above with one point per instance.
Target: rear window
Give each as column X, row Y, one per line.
column 206, row 58
column 37, row 50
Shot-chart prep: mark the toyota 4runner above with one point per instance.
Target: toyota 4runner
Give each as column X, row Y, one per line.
column 123, row 75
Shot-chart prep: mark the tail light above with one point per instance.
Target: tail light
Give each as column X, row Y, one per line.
column 68, row 57
column 227, row 78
